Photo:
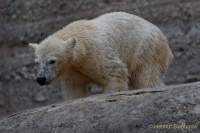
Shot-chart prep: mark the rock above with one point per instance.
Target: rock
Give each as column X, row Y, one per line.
column 169, row 109
column 40, row 97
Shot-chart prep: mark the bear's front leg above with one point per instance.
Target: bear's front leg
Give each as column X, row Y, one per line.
column 73, row 91
column 76, row 85
column 117, row 77
column 116, row 85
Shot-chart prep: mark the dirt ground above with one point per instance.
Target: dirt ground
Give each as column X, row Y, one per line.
column 31, row 21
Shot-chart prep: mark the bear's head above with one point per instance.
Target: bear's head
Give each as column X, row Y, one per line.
column 53, row 55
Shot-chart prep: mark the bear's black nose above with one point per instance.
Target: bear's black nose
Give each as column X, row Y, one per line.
column 41, row 80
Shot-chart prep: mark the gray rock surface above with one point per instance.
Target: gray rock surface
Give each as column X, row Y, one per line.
column 170, row 109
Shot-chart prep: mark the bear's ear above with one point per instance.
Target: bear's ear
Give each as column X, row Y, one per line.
column 71, row 42
column 33, row 45
column 78, row 50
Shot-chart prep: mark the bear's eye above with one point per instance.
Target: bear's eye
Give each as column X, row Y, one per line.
column 52, row 61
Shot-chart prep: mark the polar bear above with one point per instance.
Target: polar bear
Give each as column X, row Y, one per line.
column 115, row 51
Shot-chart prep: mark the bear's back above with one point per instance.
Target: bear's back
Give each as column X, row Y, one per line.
column 124, row 32
column 124, row 24
column 123, row 28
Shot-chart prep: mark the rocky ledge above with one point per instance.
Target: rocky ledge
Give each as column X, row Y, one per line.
column 168, row 109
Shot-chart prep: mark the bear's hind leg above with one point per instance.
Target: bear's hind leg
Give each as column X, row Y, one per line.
column 146, row 77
